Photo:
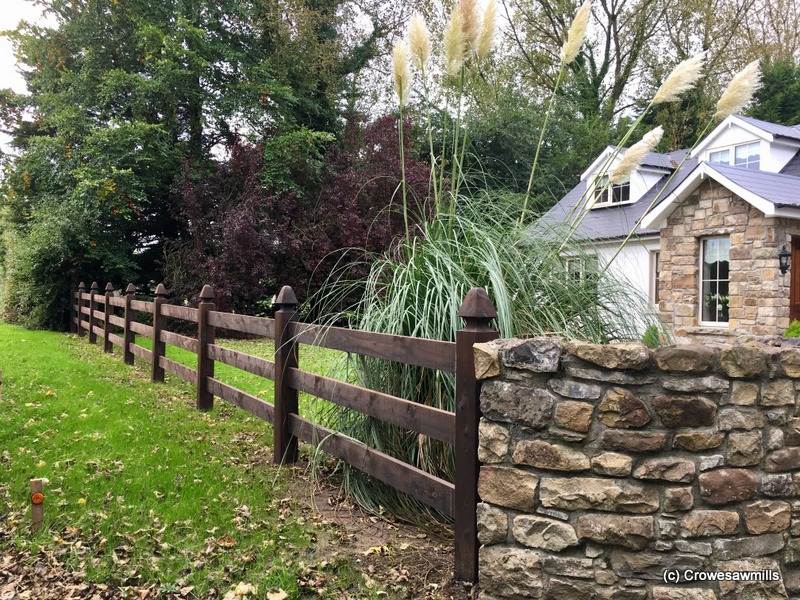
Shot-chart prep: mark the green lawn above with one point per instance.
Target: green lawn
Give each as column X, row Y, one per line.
column 144, row 488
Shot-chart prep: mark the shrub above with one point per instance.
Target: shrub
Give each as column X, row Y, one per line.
column 793, row 330
column 652, row 337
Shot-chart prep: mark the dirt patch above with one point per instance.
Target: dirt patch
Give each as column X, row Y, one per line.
column 406, row 560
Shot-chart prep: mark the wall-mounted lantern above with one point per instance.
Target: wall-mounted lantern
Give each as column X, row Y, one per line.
column 784, row 258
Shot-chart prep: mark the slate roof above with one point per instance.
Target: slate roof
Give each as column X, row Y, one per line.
column 778, row 188
column 791, row 132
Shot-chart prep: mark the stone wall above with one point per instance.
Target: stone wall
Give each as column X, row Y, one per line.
column 759, row 294
column 604, row 466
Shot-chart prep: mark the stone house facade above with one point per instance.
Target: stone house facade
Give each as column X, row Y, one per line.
column 710, row 236
column 758, row 293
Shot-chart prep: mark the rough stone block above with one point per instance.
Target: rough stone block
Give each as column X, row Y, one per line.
column 539, row 354
column 517, row 403
column 740, row 418
column 787, row 459
column 709, row 523
column 624, row 356
column 678, row 499
column 577, row 390
column 543, row 533
column 572, row 415
column 492, row 524
column 493, row 442
column 613, row 464
column 698, row 441
column 634, row 441
column 635, row 533
column 748, row 547
column 507, row 486
column 744, row 448
column 511, row 572
column 685, row 358
column 620, row 408
column 743, row 361
column 672, row 469
column 685, row 411
column 767, row 516
column 578, row 493
column 728, row 485
column 554, row 457
column 779, row 392
column 744, row 393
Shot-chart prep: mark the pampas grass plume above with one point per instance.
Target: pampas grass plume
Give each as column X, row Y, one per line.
column 455, row 46
column 470, row 22
column 577, row 33
column 488, row 30
column 401, row 72
column 419, row 42
column 739, row 91
column 634, row 155
column 682, row 79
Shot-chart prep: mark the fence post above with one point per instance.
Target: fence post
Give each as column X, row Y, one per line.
column 284, row 443
column 81, row 292
column 477, row 312
column 157, row 372
column 92, row 307
column 72, row 310
column 106, row 314
column 129, row 337
column 205, row 336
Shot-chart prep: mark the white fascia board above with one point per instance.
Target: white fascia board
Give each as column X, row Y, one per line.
column 786, row 213
column 598, row 161
column 732, row 120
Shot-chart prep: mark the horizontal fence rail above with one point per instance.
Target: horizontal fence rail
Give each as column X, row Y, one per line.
column 112, row 317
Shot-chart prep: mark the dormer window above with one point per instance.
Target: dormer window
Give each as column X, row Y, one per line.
column 748, row 156
column 606, row 194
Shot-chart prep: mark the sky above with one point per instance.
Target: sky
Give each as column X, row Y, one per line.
column 11, row 13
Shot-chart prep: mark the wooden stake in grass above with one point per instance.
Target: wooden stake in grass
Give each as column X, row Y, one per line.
column 37, row 504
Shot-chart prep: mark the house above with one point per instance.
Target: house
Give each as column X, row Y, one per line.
column 716, row 230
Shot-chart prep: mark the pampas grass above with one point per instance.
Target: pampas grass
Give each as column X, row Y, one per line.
column 682, row 79
column 634, row 155
column 401, row 73
column 455, row 44
column 488, row 30
column 419, row 42
column 470, row 22
column 739, row 91
column 577, row 33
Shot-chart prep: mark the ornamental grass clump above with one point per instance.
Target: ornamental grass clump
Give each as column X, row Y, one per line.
column 466, row 238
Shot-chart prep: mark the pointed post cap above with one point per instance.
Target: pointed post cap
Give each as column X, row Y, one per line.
column 95, row 287
column 131, row 289
column 285, row 297
column 477, row 305
column 109, row 287
column 81, row 286
column 207, row 294
column 161, row 290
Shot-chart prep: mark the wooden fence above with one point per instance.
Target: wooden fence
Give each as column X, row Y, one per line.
column 99, row 314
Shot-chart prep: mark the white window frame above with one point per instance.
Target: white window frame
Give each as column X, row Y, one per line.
column 655, row 267
column 731, row 150
column 720, row 324
column 746, row 165
column 608, row 192
column 727, row 152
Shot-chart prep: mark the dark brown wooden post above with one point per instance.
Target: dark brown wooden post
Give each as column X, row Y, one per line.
column 72, row 311
column 284, row 443
column 205, row 336
column 107, row 347
column 81, row 292
column 477, row 312
column 159, row 348
column 129, row 337
column 92, row 308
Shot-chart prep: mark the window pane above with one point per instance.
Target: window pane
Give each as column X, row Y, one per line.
column 748, row 155
column 723, row 257
column 621, row 193
column 723, row 300
column 709, row 300
column 722, row 157
column 709, row 259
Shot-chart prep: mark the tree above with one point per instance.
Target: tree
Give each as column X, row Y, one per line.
column 124, row 97
column 778, row 100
